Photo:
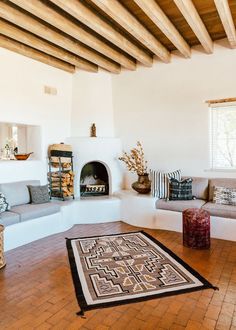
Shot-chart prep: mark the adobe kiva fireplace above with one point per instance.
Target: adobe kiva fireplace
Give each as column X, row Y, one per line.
column 94, row 180
column 97, row 169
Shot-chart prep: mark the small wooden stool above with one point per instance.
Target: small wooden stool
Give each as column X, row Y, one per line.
column 196, row 228
column 2, row 259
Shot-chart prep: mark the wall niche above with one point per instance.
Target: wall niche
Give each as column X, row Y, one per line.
column 21, row 139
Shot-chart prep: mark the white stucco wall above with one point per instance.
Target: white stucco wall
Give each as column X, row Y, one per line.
column 92, row 103
column 164, row 107
column 22, row 100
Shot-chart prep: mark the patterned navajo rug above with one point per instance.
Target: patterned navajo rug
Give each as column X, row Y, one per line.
column 124, row 268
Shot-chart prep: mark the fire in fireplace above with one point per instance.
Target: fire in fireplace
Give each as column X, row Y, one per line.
column 94, row 180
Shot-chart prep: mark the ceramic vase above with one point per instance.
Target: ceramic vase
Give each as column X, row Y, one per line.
column 143, row 185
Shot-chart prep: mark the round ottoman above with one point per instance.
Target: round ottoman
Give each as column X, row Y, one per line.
column 196, row 228
column 2, row 259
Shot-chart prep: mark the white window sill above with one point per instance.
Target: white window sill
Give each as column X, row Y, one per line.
column 226, row 170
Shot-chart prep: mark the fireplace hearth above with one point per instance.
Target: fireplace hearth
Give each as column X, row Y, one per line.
column 94, row 180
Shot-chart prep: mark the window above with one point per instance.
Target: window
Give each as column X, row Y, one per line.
column 223, row 136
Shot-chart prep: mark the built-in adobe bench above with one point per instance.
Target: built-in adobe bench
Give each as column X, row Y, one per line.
column 223, row 217
column 202, row 189
column 25, row 222
column 150, row 212
column 20, row 208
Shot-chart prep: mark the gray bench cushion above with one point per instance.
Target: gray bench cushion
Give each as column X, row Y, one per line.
column 219, row 210
column 200, row 188
column 9, row 218
column 31, row 211
column 179, row 206
column 17, row 193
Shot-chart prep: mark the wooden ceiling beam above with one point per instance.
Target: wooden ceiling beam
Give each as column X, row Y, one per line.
column 30, row 24
column 19, row 48
column 191, row 15
column 224, row 12
column 29, row 39
column 159, row 18
column 94, row 22
column 122, row 16
column 41, row 10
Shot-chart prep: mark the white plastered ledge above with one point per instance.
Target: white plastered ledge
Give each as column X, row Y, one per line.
column 128, row 206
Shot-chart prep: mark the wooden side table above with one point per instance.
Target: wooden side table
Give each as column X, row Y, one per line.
column 2, row 259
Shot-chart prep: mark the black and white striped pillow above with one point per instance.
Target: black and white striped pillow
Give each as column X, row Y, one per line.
column 160, row 182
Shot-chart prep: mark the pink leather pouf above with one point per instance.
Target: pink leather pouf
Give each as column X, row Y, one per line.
column 196, row 228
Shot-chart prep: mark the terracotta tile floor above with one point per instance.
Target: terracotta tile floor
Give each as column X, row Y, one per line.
column 36, row 290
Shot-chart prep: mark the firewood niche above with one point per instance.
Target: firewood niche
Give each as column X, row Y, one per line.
column 61, row 175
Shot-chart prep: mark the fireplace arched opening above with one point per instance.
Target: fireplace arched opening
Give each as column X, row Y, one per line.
column 94, row 180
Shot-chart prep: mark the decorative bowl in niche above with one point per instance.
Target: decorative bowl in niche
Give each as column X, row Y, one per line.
column 22, row 156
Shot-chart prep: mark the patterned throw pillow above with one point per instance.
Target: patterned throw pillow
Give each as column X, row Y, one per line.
column 180, row 190
column 226, row 196
column 39, row 194
column 4, row 206
column 160, row 182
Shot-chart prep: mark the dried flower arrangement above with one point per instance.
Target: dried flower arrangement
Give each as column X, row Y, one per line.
column 135, row 160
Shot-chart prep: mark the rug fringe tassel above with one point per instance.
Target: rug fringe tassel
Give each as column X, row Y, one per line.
column 215, row 288
column 81, row 313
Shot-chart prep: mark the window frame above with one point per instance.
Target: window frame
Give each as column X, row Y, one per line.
column 211, row 108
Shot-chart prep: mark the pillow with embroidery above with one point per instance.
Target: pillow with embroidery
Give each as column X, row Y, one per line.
column 225, row 196
column 180, row 189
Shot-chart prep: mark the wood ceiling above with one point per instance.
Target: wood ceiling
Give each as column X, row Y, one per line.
column 113, row 34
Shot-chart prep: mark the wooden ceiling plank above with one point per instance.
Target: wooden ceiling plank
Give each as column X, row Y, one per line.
column 191, row 15
column 94, row 22
column 122, row 16
column 29, row 39
column 30, row 24
column 27, row 51
column 41, row 10
column 158, row 17
column 224, row 12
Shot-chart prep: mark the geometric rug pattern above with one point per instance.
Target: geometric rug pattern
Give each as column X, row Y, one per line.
column 123, row 268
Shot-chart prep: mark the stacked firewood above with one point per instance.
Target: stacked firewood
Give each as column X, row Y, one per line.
column 64, row 181
column 64, row 162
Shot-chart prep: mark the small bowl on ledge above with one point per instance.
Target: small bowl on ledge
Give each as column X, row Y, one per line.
column 22, row 156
